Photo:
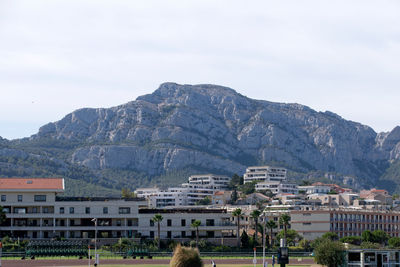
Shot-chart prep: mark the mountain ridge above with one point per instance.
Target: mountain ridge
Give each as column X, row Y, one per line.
column 209, row 127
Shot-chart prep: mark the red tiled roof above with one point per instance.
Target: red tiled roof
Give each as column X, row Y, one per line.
column 32, row 183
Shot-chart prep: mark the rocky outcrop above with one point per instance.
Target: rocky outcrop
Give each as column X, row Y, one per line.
column 211, row 127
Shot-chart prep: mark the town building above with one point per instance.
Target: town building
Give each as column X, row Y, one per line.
column 313, row 223
column 35, row 209
column 278, row 187
column 264, row 174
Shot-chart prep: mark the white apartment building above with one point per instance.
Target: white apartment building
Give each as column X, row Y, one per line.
column 278, row 187
column 264, row 174
column 201, row 186
column 315, row 189
column 35, row 210
column 197, row 188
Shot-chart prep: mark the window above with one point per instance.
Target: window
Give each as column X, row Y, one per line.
column 118, row 222
column 183, row 234
column 169, row 222
column 210, row 222
column 45, row 210
column 19, row 198
column 105, row 210
column 3, row 198
column 151, row 222
column 151, row 234
column 129, row 222
column 40, row 198
column 61, row 210
column 124, row 210
column 183, row 222
column 210, row 234
column 71, row 210
column 169, row 234
column 87, row 210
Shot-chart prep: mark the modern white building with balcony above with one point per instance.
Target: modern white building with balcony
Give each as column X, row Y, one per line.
column 264, row 174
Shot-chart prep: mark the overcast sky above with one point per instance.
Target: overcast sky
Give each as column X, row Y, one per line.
column 58, row 56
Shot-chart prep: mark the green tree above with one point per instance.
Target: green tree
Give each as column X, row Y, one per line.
column 284, row 220
column 238, row 214
column 329, row 253
column 196, row 225
column 158, row 219
column 380, row 237
column 255, row 214
column 234, row 196
column 204, row 201
column 271, row 225
column 369, row 245
column 127, row 193
column 367, row 236
column 245, row 240
column 331, row 236
column 292, row 237
column 394, row 242
column 248, row 188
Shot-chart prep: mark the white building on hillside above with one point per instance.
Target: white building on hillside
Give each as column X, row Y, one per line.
column 264, row 174
column 278, row 187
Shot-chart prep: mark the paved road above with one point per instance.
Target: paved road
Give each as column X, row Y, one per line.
column 67, row 263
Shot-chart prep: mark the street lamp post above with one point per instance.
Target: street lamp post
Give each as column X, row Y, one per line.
column 95, row 241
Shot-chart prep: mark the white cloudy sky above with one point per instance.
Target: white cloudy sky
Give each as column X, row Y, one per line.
column 57, row 56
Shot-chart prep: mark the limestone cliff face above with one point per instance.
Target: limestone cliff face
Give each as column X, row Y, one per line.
column 214, row 128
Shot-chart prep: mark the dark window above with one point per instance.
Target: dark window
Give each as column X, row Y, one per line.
column 183, row 222
column 72, row 234
column 151, row 222
column 210, row 222
column 61, row 210
column 183, row 234
column 45, row 210
column 19, row 198
column 193, row 234
column 169, row 234
column 210, row 234
column 129, row 222
column 71, row 210
column 169, row 222
column 87, row 210
column 105, row 210
column 118, row 222
column 151, row 234
column 40, row 198
column 3, row 198
column 124, row 210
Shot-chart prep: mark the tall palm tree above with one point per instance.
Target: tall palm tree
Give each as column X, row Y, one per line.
column 284, row 220
column 237, row 213
column 255, row 214
column 196, row 225
column 158, row 219
column 271, row 225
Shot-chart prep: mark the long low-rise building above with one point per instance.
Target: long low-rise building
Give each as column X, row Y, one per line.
column 35, row 210
column 344, row 221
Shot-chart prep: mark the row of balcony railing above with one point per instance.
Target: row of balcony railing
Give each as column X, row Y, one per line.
column 366, row 220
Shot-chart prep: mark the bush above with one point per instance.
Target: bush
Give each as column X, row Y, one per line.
column 369, row 245
column 354, row 240
column 330, row 253
column 186, row 257
column 330, row 235
column 394, row 242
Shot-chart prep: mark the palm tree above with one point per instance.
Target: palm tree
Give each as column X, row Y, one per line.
column 237, row 213
column 271, row 225
column 196, row 225
column 284, row 220
column 255, row 214
column 158, row 218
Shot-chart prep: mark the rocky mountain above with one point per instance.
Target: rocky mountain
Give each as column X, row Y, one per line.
column 208, row 128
